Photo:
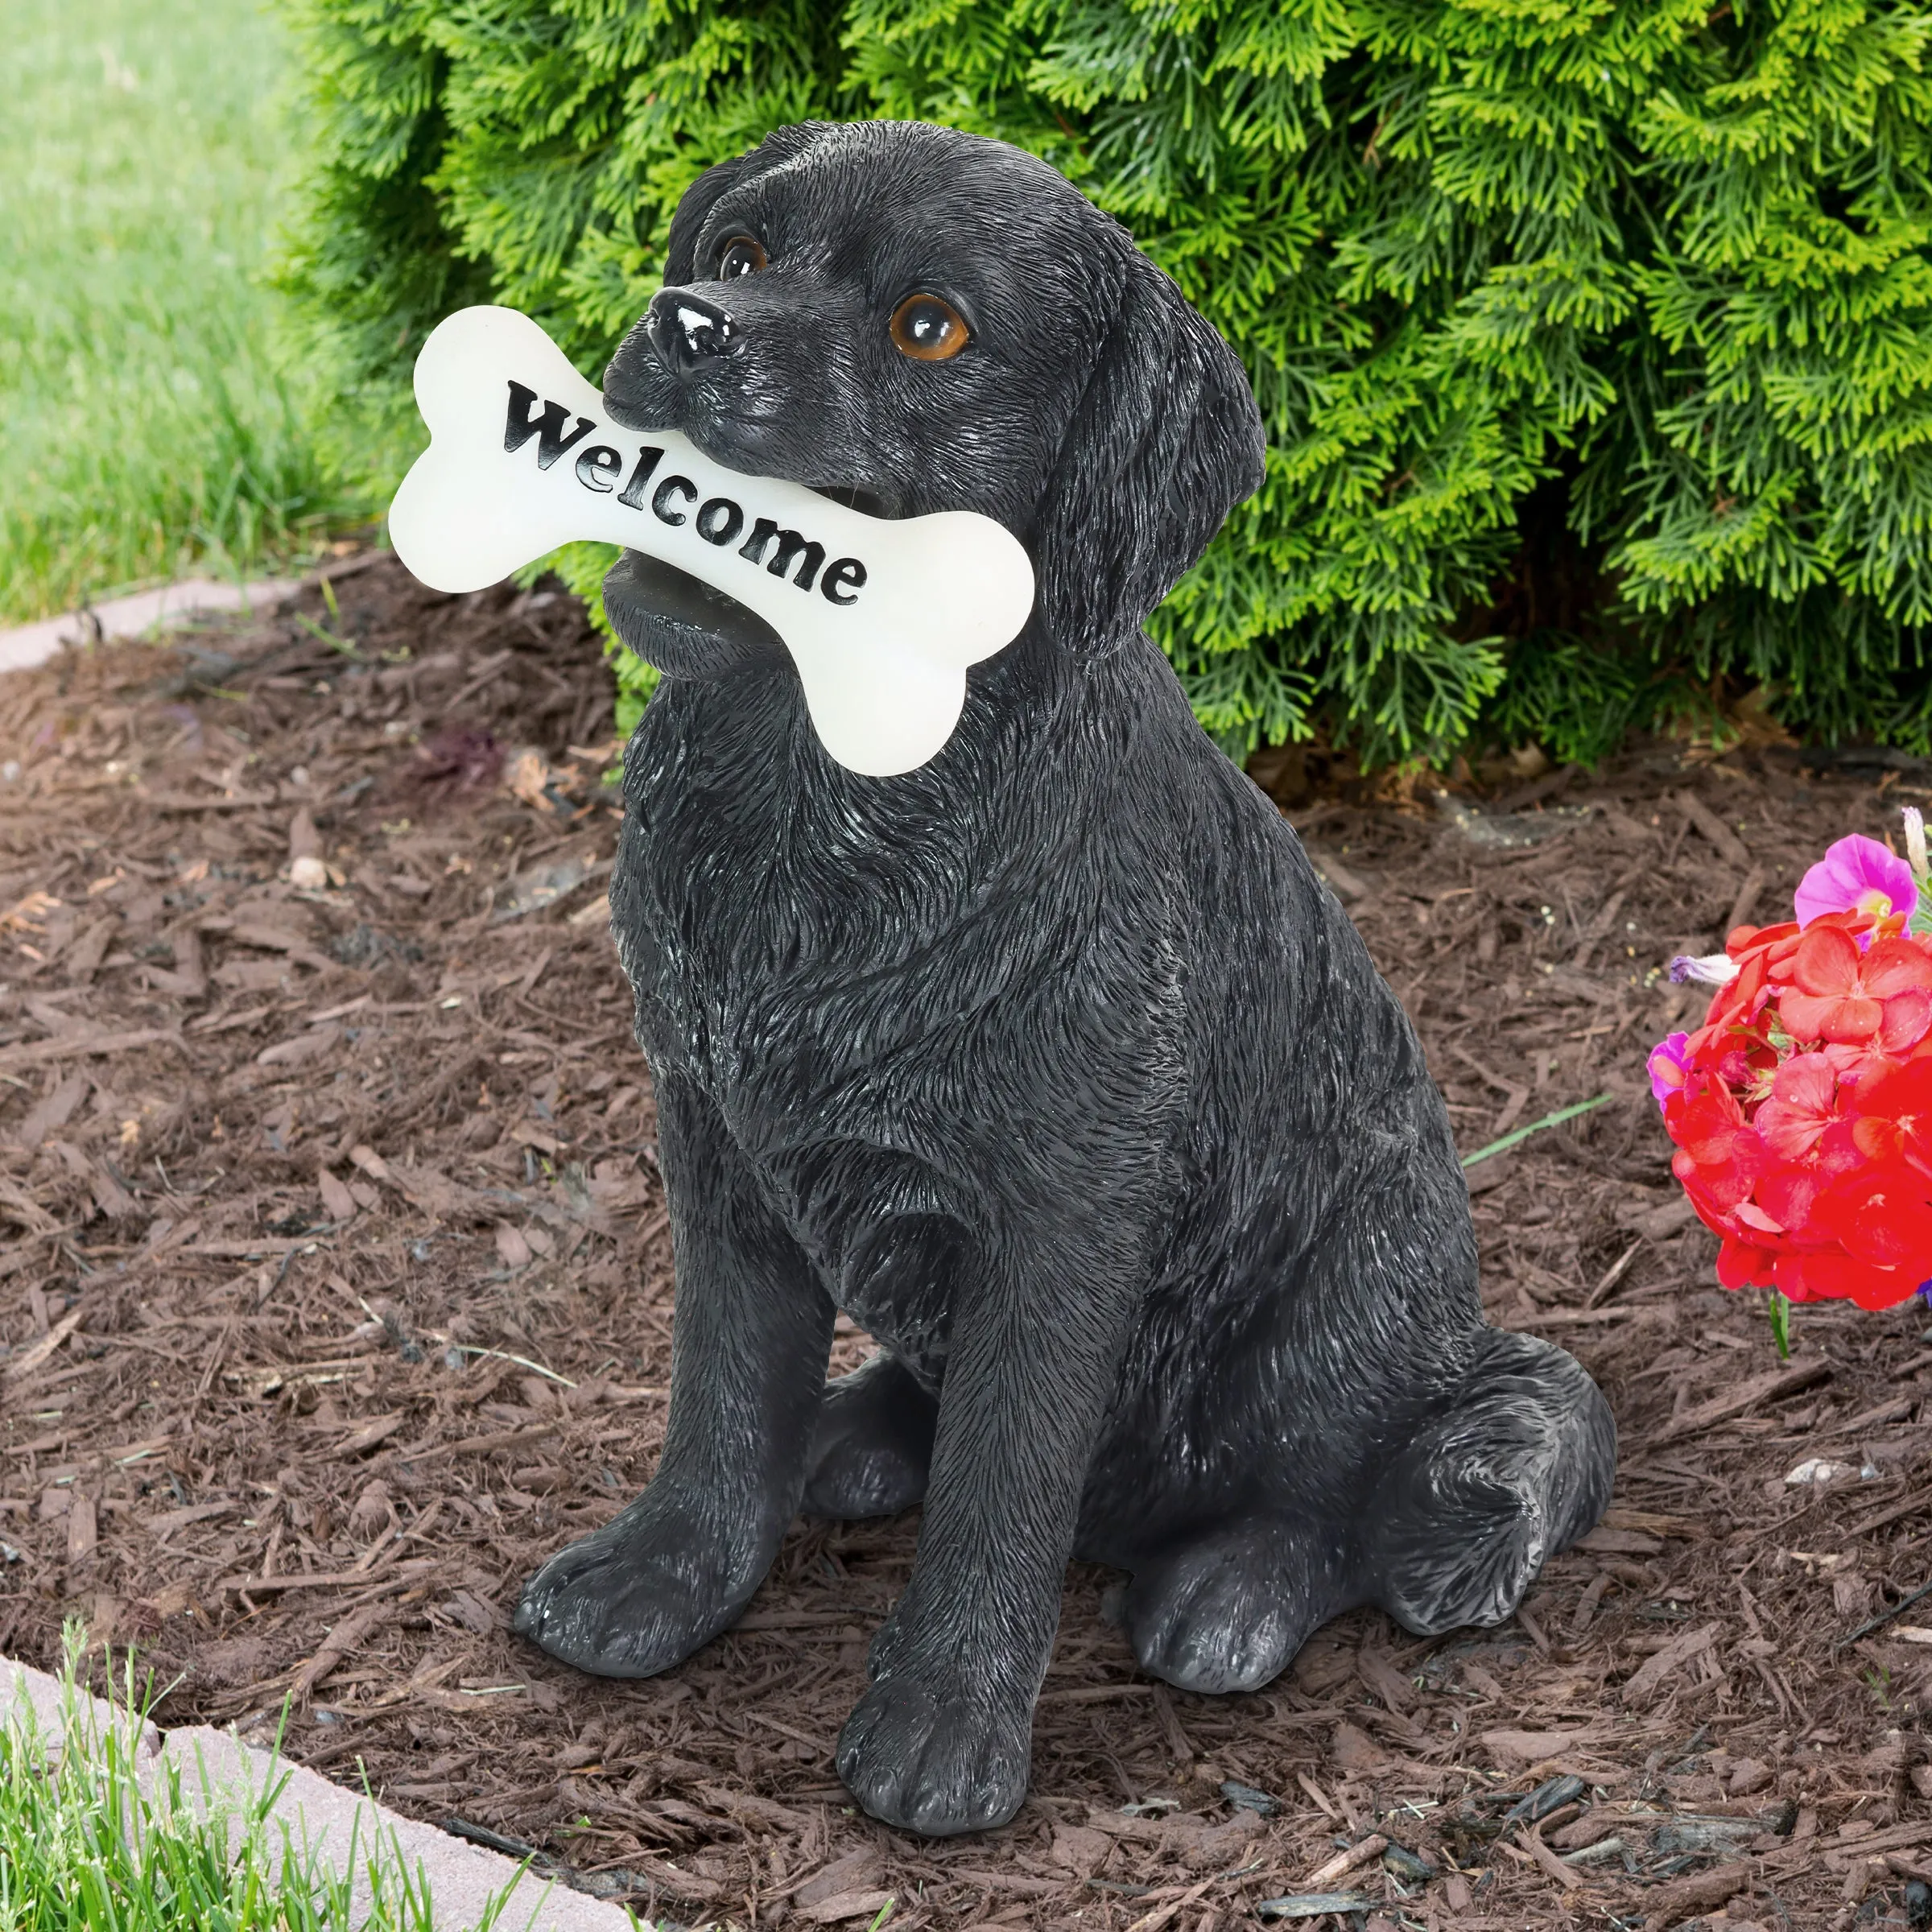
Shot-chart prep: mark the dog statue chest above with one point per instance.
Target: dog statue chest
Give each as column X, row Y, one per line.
column 906, row 1310
column 886, row 1250
column 793, row 931
column 818, row 969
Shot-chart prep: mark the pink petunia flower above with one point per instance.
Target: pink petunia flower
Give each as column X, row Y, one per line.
column 1666, row 1066
column 1857, row 874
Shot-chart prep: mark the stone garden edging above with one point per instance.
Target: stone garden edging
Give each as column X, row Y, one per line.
column 167, row 609
column 324, row 1817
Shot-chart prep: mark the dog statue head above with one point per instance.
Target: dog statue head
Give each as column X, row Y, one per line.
column 911, row 319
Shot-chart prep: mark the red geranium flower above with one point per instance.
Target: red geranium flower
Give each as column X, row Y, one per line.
column 1882, row 1216
column 1720, row 1155
column 1808, row 1142
column 1895, row 1115
column 1830, row 1275
column 1762, row 953
column 1839, row 993
column 1739, row 1265
column 1802, row 1109
column 1803, row 1104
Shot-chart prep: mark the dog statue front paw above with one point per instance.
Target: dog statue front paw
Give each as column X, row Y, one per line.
column 917, row 1752
column 636, row 1596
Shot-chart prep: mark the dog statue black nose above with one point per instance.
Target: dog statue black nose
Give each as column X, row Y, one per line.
column 687, row 331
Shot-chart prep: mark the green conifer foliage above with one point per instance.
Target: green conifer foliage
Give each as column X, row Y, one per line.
column 1594, row 337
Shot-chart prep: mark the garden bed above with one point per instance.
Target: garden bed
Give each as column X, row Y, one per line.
column 336, row 1292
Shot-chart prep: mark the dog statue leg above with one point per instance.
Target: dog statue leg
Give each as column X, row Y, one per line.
column 873, row 1444
column 1487, row 1490
column 940, row 1743
column 748, row 1351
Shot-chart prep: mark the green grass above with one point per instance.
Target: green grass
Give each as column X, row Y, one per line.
column 83, row 1848
column 145, row 425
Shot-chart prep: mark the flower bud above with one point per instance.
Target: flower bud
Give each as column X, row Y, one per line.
column 1711, row 969
column 1915, row 846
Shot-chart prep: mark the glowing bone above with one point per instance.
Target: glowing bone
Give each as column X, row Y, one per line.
column 881, row 617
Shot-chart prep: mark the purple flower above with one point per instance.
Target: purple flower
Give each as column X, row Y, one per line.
column 1857, row 874
column 1667, row 1065
column 1711, row 969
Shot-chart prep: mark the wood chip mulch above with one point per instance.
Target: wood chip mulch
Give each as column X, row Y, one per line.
column 336, row 1293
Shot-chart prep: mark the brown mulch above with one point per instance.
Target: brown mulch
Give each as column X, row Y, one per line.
column 336, row 1293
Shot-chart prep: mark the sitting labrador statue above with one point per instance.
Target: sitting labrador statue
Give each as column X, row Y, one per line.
column 1051, row 1062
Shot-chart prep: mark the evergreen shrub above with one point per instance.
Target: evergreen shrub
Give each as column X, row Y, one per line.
column 1594, row 337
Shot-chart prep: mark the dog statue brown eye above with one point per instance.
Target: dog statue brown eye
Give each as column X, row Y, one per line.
column 740, row 256
column 928, row 330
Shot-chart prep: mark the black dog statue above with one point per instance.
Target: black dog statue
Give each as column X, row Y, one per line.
column 1051, row 1062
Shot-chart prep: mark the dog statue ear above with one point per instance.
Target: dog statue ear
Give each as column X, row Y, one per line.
column 1166, row 440
column 704, row 193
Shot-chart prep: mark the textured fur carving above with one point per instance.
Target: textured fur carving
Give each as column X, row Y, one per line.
column 1052, row 1061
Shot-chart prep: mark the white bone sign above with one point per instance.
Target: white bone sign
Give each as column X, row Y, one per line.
column 881, row 617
